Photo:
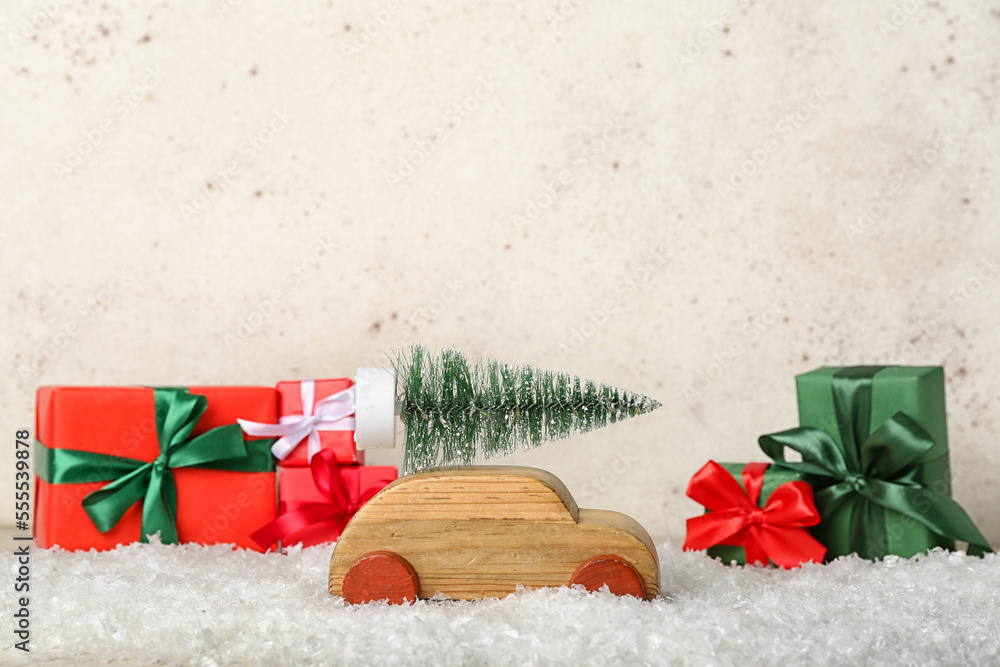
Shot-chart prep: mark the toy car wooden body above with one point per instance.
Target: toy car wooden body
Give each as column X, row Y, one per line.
column 478, row 532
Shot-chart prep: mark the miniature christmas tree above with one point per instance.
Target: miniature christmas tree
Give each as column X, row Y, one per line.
column 456, row 412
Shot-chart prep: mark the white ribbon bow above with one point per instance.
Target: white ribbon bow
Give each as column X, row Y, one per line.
column 333, row 413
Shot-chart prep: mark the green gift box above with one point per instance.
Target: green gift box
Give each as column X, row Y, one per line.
column 774, row 477
column 874, row 446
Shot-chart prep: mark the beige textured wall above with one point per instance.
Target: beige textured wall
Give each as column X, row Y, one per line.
column 692, row 200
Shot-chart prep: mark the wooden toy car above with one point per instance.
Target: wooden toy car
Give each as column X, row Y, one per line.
column 478, row 532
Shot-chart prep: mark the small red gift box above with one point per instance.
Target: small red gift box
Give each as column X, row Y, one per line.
column 760, row 510
column 116, row 434
column 340, row 442
column 312, row 509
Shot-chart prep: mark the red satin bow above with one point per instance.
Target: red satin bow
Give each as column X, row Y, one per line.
column 775, row 531
column 296, row 515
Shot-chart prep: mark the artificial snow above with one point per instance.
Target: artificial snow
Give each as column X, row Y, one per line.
column 212, row 605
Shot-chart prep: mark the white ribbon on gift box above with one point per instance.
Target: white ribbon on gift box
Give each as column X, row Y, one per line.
column 333, row 413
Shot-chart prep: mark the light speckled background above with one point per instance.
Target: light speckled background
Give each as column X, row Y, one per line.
column 375, row 183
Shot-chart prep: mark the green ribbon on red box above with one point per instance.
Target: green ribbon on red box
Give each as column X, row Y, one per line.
column 152, row 482
column 878, row 468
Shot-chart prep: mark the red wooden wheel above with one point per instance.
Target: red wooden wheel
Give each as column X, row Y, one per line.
column 615, row 571
column 381, row 575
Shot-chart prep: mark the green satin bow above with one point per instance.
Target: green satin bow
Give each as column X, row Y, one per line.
column 177, row 412
column 878, row 470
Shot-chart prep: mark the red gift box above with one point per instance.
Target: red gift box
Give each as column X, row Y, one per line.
column 213, row 505
column 340, row 443
column 768, row 515
column 298, row 493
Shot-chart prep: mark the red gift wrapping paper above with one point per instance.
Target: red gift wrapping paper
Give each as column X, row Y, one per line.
column 213, row 506
column 340, row 442
column 297, row 487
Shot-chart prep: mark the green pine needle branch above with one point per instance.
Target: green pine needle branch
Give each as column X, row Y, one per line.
column 457, row 412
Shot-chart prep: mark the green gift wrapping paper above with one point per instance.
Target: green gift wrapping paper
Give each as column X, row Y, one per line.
column 875, row 449
column 774, row 477
column 917, row 391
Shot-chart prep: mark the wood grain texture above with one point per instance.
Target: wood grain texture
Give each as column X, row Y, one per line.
column 480, row 493
column 480, row 531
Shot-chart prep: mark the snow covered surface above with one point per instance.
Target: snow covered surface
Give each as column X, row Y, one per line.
column 210, row 605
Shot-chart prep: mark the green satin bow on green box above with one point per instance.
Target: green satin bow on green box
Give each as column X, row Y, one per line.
column 873, row 441
column 152, row 482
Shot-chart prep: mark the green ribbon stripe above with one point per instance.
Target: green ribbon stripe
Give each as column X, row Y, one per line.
column 152, row 482
column 873, row 470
